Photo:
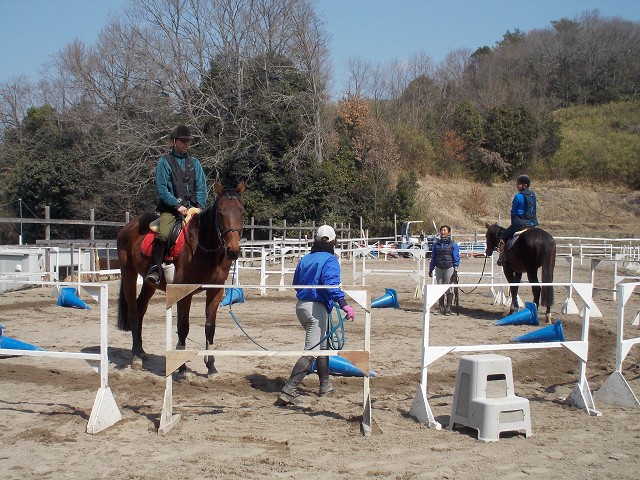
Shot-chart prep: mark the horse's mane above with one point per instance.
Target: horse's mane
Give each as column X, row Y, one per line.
column 495, row 228
column 208, row 214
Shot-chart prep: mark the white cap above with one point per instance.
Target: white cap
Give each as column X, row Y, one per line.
column 325, row 234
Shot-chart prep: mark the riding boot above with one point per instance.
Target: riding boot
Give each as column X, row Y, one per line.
column 441, row 304
column 449, row 302
column 501, row 249
column 322, row 365
column 289, row 393
column 157, row 255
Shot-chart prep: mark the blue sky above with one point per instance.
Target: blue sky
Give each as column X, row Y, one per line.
column 374, row 30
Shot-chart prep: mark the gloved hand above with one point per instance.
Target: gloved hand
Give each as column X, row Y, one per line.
column 430, row 273
column 351, row 313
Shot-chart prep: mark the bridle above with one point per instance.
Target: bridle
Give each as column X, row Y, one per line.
column 219, row 232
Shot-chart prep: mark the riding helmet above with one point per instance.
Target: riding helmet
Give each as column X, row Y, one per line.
column 525, row 180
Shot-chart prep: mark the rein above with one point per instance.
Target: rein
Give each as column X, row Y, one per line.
column 479, row 280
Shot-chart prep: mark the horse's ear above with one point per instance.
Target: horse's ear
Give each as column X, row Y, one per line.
column 219, row 188
column 486, row 224
column 240, row 188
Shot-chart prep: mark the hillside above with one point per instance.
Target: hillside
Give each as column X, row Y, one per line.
column 564, row 209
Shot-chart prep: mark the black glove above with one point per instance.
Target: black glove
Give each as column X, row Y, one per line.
column 430, row 273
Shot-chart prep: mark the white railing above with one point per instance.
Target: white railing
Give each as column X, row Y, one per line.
column 105, row 411
column 580, row 396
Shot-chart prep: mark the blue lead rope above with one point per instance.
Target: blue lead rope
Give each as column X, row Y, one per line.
column 334, row 337
column 242, row 329
column 336, row 341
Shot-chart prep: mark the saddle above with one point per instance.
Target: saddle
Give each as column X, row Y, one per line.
column 513, row 239
column 175, row 242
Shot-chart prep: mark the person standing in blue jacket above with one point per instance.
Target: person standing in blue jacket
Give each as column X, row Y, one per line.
column 180, row 185
column 445, row 259
column 313, row 307
column 523, row 214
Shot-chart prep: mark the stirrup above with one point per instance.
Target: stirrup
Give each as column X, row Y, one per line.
column 154, row 277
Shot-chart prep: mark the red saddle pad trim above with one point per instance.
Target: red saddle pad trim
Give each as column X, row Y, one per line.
column 176, row 248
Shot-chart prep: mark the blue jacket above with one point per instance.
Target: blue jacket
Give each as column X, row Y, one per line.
column 319, row 268
column 523, row 209
column 445, row 254
column 165, row 189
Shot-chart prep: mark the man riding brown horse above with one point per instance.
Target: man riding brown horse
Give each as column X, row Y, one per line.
column 180, row 185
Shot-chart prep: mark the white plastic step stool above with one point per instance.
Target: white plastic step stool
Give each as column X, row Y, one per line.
column 484, row 398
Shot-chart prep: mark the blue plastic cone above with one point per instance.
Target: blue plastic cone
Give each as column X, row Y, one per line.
column 232, row 295
column 389, row 299
column 527, row 316
column 550, row 333
column 343, row 367
column 13, row 344
column 69, row 298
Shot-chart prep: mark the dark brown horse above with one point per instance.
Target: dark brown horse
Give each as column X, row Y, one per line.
column 534, row 248
column 211, row 244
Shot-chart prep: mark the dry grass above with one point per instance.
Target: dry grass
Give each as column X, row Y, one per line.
column 563, row 208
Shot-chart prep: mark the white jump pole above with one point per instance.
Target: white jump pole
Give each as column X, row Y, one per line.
column 580, row 395
column 105, row 411
column 615, row 390
column 175, row 358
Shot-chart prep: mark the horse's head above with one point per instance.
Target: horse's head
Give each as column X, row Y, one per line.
column 229, row 218
column 493, row 237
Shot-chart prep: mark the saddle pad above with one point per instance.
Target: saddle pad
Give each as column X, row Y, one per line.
column 174, row 251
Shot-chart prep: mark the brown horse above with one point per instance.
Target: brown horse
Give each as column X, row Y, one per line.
column 211, row 244
column 534, row 248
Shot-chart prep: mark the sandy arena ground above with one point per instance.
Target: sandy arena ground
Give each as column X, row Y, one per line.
column 231, row 428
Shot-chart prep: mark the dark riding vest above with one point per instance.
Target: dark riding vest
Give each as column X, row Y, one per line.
column 443, row 250
column 528, row 218
column 184, row 183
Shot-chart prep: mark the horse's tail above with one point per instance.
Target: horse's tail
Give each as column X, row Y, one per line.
column 123, row 320
column 548, row 264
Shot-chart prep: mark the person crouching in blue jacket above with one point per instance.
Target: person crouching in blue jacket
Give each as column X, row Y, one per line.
column 314, row 305
column 445, row 258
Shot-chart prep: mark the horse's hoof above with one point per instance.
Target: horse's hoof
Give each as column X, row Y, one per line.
column 136, row 363
column 212, row 372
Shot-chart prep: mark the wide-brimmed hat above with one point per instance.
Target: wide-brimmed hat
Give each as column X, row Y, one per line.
column 181, row 131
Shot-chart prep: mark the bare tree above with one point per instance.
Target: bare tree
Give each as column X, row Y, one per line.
column 16, row 96
column 359, row 74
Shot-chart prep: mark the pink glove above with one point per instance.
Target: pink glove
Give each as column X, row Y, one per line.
column 351, row 313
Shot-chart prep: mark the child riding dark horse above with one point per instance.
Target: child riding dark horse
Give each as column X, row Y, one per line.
column 523, row 214
column 534, row 249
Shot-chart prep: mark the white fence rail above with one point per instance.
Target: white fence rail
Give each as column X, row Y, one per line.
column 579, row 397
column 175, row 358
column 105, row 411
